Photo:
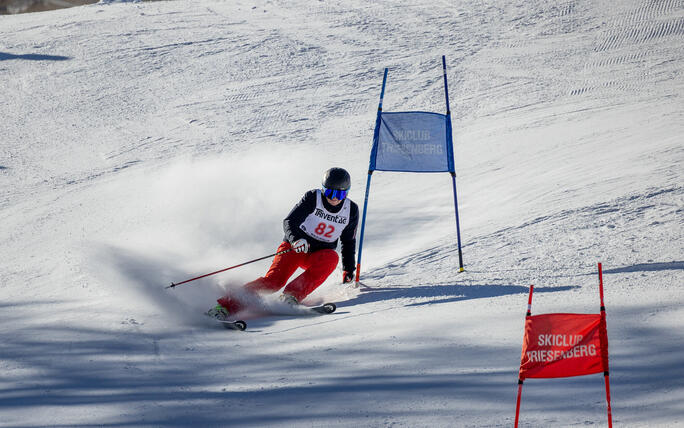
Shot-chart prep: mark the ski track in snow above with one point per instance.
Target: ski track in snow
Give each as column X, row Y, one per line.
column 144, row 143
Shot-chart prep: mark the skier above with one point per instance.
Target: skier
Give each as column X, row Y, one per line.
column 312, row 230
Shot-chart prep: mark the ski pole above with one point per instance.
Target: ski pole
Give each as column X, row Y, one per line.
column 228, row 268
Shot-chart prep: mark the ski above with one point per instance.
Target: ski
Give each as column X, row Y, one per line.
column 233, row 325
column 302, row 310
column 326, row 308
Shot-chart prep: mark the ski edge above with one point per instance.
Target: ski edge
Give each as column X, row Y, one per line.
column 229, row 324
column 234, row 325
column 326, row 308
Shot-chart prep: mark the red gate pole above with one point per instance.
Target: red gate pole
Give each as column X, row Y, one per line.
column 520, row 381
column 604, row 346
column 517, row 404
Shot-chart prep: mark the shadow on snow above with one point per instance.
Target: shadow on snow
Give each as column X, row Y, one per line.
column 648, row 267
column 4, row 56
column 158, row 379
column 167, row 379
column 443, row 293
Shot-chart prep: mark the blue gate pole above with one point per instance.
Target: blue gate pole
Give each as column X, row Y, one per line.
column 363, row 227
column 371, row 167
column 453, row 172
column 458, row 229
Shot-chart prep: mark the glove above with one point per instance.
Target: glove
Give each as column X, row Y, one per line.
column 347, row 277
column 300, row 246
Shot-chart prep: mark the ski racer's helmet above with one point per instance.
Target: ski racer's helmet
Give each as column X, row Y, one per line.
column 336, row 183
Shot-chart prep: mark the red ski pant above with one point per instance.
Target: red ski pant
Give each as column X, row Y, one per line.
column 317, row 268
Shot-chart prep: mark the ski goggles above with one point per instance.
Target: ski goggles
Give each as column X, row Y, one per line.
column 335, row 194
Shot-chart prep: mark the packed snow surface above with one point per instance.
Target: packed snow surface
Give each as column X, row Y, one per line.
column 145, row 143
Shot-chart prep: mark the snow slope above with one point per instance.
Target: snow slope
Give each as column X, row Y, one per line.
column 143, row 143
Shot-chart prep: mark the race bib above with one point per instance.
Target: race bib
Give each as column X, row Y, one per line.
column 323, row 225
